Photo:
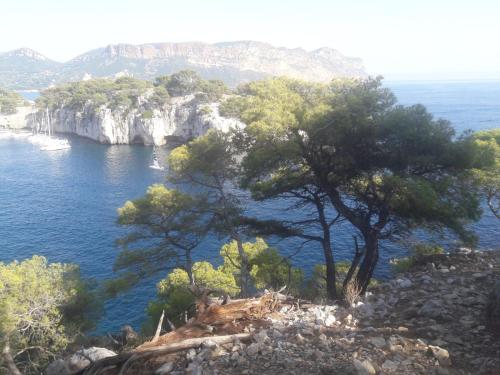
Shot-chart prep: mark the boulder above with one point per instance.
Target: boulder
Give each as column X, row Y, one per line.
column 84, row 357
column 78, row 361
column 166, row 368
column 441, row 355
column 58, row 367
column 364, row 368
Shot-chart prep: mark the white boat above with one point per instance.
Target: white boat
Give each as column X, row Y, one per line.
column 39, row 139
column 156, row 164
column 46, row 141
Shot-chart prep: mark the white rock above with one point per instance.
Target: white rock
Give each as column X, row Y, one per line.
column 165, row 368
column 441, row 355
column 82, row 358
column 404, row 283
column 330, row 320
column 364, row 368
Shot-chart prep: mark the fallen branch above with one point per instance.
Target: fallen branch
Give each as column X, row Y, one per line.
column 158, row 329
column 127, row 358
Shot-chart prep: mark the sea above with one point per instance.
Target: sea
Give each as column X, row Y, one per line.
column 63, row 205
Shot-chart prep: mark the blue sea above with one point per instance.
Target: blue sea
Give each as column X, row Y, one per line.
column 63, row 204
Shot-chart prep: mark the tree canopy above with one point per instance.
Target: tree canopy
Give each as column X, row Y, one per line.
column 268, row 269
column 188, row 82
column 488, row 178
column 9, row 101
column 211, row 164
column 385, row 168
column 43, row 306
column 167, row 225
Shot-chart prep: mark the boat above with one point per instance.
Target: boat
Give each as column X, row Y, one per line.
column 155, row 163
column 46, row 141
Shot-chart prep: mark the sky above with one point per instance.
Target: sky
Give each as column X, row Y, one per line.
column 399, row 39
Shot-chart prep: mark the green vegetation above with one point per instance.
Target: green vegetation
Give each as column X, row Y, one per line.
column 339, row 152
column 128, row 93
column 384, row 168
column 43, row 307
column 120, row 93
column 9, row 101
column 419, row 252
column 172, row 223
column 268, row 270
column 188, row 82
column 210, row 163
column 489, row 178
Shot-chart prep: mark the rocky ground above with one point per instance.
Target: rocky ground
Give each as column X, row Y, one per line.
column 431, row 320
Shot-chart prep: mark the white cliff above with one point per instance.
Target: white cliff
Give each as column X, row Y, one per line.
column 182, row 118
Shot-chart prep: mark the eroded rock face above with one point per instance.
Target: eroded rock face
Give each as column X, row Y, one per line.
column 182, row 117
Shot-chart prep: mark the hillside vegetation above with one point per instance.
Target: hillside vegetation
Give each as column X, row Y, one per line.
column 126, row 93
column 9, row 101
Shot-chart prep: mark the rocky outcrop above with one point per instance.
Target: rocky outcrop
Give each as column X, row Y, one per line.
column 18, row 120
column 182, row 117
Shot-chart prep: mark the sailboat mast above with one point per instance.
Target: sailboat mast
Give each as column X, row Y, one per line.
column 48, row 119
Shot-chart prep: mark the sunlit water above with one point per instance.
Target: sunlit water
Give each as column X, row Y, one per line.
column 63, row 204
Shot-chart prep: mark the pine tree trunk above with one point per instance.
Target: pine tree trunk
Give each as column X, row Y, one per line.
column 354, row 265
column 9, row 360
column 245, row 280
column 369, row 262
column 331, row 282
column 331, row 287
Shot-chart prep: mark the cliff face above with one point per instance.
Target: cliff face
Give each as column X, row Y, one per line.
column 233, row 62
column 182, row 117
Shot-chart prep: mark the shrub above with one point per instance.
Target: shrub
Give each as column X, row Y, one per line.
column 9, row 101
column 42, row 308
column 147, row 114
column 418, row 252
column 268, row 269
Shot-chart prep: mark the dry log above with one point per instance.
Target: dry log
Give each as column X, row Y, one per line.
column 127, row 358
column 227, row 321
column 158, row 329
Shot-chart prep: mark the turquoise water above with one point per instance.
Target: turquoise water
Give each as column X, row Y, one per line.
column 63, row 204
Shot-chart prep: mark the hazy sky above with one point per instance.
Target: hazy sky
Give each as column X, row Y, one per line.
column 396, row 38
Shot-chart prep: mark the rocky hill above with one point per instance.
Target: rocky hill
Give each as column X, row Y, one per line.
column 25, row 69
column 232, row 62
column 440, row 318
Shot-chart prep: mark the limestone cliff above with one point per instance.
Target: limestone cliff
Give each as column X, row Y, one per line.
column 182, row 117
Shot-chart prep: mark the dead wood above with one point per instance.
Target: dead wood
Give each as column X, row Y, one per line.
column 219, row 323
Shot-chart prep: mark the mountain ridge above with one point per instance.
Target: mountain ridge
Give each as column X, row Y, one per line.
column 233, row 62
